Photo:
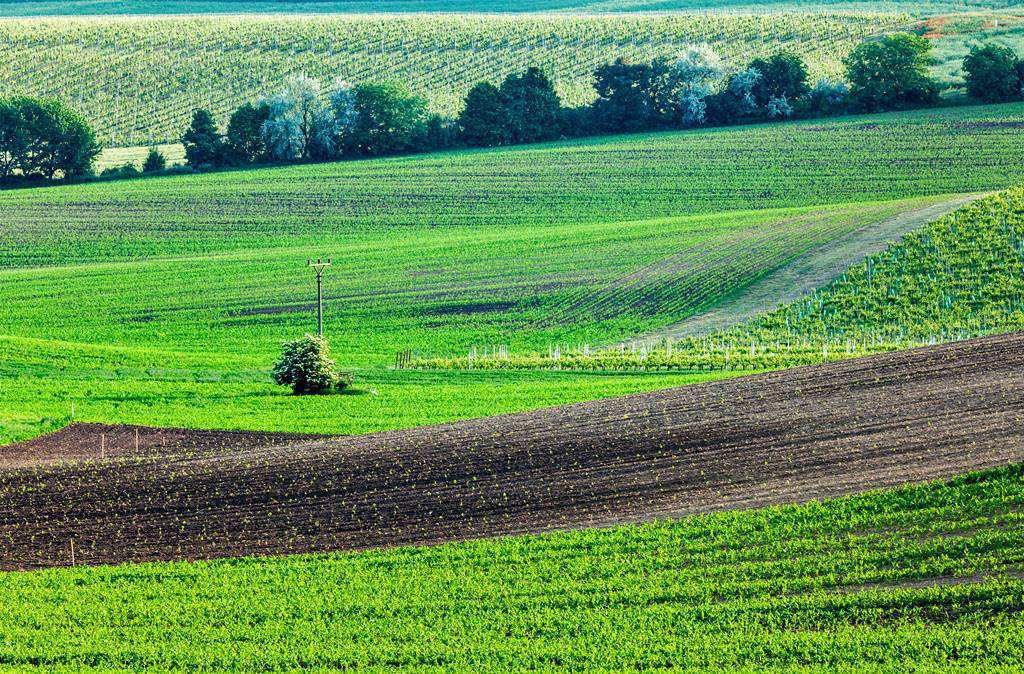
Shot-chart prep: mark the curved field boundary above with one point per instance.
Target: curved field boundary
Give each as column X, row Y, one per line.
column 819, row 267
column 85, row 441
column 775, row 438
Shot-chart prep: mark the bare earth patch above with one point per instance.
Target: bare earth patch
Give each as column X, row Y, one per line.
column 775, row 438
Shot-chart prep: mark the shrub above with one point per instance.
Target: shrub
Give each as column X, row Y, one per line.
column 306, row 366
column 126, row 170
column 991, row 74
column 779, row 108
column 828, row 97
column 155, row 161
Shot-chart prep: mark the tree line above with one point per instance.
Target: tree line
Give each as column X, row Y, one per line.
column 42, row 140
column 306, row 121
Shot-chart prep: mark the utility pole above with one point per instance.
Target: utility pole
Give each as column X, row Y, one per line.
column 318, row 266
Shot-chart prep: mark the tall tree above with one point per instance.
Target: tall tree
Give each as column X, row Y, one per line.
column 14, row 138
column 533, row 106
column 890, row 73
column 623, row 96
column 301, row 122
column 388, row 119
column 991, row 73
column 244, row 142
column 735, row 103
column 203, row 144
column 484, row 118
column 60, row 140
column 783, row 78
column 679, row 89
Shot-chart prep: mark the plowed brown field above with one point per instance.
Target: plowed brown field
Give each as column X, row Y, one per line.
column 774, row 438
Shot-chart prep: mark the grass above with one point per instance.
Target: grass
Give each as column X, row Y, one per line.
column 138, row 79
column 165, row 300
column 609, row 179
column 958, row 277
column 923, row 578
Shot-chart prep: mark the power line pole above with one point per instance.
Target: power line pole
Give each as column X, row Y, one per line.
column 318, row 266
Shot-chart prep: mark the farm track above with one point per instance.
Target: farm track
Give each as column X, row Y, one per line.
column 775, row 438
column 816, row 269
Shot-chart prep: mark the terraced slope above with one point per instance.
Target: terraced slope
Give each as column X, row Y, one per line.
column 770, row 439
column 138, row 79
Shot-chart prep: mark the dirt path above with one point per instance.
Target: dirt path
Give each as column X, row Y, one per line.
column 774, row 438
column 816, row 269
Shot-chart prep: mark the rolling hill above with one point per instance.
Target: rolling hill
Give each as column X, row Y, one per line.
column 880, row 580
column 112, row 7
column 137, row 79
column 163, row 301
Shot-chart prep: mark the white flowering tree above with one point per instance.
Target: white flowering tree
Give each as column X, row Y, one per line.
column 681, row 87
column 301, row 122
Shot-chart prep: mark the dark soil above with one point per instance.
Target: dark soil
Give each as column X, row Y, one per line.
column 775, row 438
column 93, row 442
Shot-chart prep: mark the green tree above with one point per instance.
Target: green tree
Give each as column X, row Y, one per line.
column 388, row 119
column 306, row 366
column 484, row 118
column 890, row 73
column 533, row 106
column 155, row 161
column 244, row 142
column 679, row 89
column 14, row 138
column 624, row 100
column 991, row 73
column 204, row 147
column 783, row 77
column 60, row 140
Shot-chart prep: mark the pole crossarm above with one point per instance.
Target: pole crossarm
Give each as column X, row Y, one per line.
column 318, row 266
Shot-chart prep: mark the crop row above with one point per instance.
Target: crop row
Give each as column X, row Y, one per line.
column 960, row 277
column 138, row 79
column 929, row 572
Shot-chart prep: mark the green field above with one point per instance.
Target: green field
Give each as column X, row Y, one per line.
column 921, row 579
column 138, row 79
column 164, row 300
column 961, row 276
column 71, row 7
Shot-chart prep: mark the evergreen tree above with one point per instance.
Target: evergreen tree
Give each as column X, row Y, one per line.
column 203, row 145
